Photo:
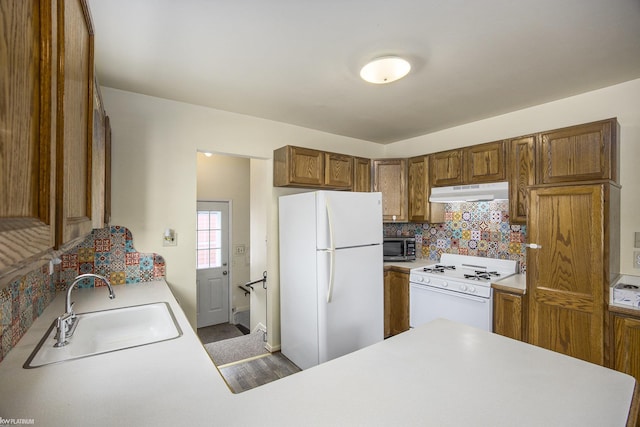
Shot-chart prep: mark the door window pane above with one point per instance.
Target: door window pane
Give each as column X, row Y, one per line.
column 209, row 239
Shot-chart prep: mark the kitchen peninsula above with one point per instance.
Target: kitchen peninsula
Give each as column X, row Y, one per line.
column 442, row 374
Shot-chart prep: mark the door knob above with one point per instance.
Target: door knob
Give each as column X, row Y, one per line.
column 224, row 273
column 533, row 246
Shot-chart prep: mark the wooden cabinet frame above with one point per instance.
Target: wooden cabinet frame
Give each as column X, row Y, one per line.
column 28, row 140
column 75, row 82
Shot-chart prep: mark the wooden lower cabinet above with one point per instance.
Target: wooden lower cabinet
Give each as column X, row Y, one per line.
column 626, row 344
column 396, row 302
column 626, row 347
column 508, row 311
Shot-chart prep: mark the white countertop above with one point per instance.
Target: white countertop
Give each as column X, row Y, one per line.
column 516, row 283
column 409, row 264
column 441, row 373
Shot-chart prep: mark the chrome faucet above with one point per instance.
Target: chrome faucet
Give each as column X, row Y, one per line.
column 66, row 323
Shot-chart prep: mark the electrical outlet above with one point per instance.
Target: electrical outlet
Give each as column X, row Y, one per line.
column 636, row 259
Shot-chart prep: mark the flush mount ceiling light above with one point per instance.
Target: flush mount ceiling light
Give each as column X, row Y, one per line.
column 385, row 70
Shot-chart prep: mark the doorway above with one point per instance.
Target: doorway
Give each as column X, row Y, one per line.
column 212, row 276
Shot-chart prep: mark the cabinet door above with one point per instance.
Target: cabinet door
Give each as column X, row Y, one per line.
column 485, row 163
column 399, row 302
column 418, row 190
column 396, row 302
column 298, row 167
column 74, row 121
column 27, row 135
column 566, row 275
column 579, row 153
column 507, row 315
column 338, row 172
column 521, row 176
column 107, row 170
column 446, row 168
column 627, row 345
column 98, row 162
column 390, row 178
column 387, row 304
column 361, row 174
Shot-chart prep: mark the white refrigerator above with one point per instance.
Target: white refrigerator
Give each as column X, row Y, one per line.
column 331, row 274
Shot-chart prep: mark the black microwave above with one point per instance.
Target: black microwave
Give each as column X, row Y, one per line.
column 399, row 249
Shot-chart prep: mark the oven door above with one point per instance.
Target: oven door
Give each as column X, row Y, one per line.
column 428, row 303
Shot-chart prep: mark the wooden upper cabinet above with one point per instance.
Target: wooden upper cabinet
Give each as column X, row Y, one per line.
column 390, row 178
column 446, row 168
column 297, row 166
column 27, row 136
column 485, row 163
column 74, row 121
column 419, row 190
column 521, row 175
column 361, row 174
column 305, row 167
column 338, row 170
column 579, row 153
column 107, row 170
column 568, row 276
column 470, row 165
column 98, row 159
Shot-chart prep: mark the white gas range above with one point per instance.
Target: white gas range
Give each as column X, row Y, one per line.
column 457, row 288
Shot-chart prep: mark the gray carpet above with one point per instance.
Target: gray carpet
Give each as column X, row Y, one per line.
column 220, row 332
column 236, row 349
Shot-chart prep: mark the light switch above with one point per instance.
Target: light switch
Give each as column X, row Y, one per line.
column 637, row 240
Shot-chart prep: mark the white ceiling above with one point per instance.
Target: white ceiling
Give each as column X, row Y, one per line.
column 297, row 61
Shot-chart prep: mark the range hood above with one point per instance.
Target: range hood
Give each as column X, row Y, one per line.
column 470, row 193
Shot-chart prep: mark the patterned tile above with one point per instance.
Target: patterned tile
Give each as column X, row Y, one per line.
column 480, row 229
column 108, row 252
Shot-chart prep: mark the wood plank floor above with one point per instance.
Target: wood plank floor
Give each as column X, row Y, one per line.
column 245, row 375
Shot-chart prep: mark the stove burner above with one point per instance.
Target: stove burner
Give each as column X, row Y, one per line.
column 481, row 275
column 438, row 268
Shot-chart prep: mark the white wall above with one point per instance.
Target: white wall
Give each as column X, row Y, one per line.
column 621, row 101
column 154, row 145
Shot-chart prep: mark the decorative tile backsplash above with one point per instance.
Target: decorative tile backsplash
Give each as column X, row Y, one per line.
column 477, row 229
column 107, row 251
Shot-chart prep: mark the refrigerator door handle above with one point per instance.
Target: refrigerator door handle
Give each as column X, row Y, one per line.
column 331, row 250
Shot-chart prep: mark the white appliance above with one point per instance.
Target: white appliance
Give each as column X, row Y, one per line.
column 457, row 288
column 470, row 193
column 331, row 274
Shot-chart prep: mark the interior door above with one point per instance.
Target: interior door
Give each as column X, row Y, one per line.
column 212, row 263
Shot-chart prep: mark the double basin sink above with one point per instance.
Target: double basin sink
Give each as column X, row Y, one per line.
column 105, row 331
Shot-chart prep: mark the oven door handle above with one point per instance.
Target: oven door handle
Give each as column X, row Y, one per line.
column 448, row 292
